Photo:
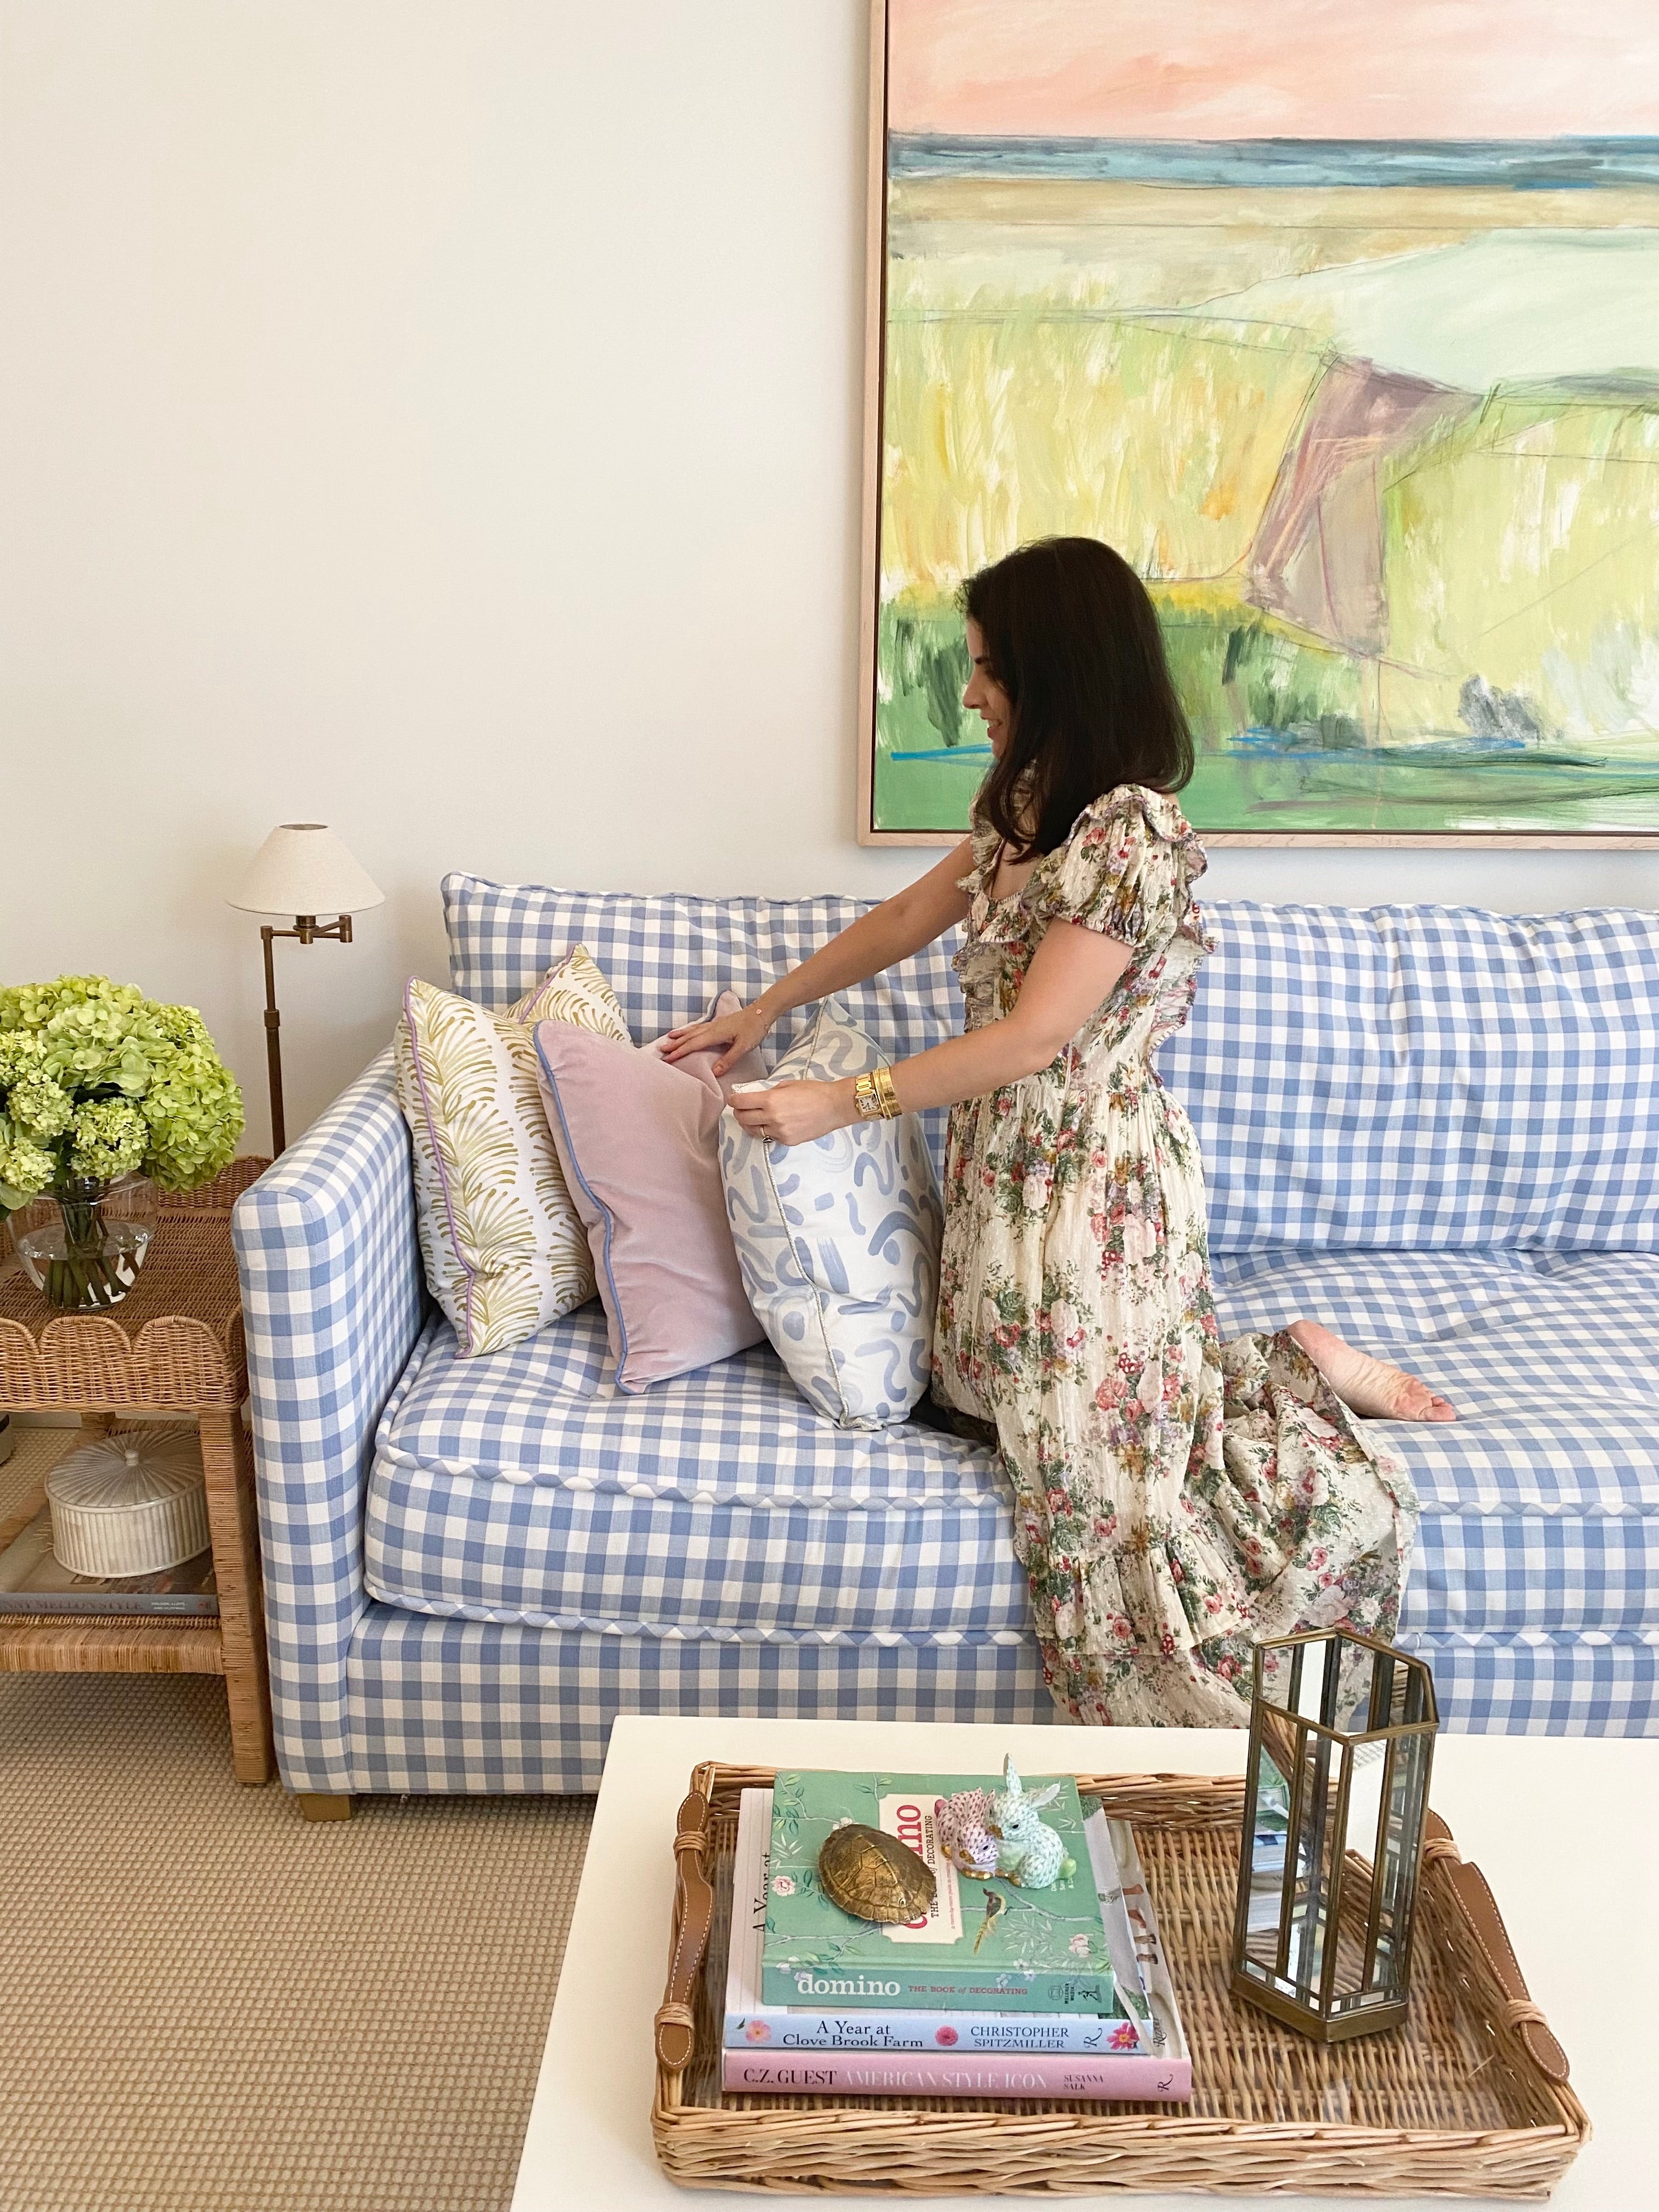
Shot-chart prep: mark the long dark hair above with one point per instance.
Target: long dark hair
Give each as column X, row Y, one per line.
column 1073, row 639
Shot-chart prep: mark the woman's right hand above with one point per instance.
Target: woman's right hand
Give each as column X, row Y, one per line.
column 737, row 1033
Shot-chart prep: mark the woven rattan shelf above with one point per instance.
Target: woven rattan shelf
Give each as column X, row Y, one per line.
column 173, row 1345
column 1456, row 2103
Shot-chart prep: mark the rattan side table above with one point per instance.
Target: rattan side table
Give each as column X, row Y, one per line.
column 173, row 1345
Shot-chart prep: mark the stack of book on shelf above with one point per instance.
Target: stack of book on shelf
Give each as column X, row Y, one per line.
column 997, row 1991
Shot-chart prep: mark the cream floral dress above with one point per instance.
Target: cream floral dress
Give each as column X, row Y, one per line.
column 1177, row 1499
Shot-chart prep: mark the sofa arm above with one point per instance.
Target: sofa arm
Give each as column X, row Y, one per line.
column 333, row 1300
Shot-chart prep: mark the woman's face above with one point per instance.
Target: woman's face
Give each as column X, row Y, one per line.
column 984, row 694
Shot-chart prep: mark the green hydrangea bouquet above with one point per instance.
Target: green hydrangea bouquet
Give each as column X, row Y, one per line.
column 98, row 1082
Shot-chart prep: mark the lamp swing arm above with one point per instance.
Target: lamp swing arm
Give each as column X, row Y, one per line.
column 301, row 867
column 309, row 930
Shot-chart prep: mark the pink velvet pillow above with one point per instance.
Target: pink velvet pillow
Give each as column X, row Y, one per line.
column 751, row 1068
column 636, row 1136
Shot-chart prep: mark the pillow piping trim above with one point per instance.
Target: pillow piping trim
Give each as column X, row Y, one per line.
column 616, row 1306
column 467, row 1268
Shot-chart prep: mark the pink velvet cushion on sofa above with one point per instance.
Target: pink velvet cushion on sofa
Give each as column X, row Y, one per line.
column 637, row 1138
column 750, row 1069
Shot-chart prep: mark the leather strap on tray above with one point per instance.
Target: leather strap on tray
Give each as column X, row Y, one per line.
column 1479, row 1907
column 693, row 1913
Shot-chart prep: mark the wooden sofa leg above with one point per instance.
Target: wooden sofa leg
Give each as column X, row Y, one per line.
column 318, row 1807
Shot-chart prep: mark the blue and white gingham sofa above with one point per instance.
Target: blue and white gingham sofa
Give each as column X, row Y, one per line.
column 1437, row 1129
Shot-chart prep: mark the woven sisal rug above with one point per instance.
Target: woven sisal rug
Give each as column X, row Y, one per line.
column 214, row 2006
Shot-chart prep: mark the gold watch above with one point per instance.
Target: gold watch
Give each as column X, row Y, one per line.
column 874, row 1096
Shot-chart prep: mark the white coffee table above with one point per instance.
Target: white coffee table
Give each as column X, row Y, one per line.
column 1594, row 1971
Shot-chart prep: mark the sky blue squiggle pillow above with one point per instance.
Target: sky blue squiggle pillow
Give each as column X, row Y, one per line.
column 838, row 1243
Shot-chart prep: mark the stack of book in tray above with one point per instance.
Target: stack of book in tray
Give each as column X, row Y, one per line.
column 999, row 1991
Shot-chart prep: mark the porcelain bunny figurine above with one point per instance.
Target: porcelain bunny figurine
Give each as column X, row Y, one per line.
column 982, row 1835
column 1031, row 1853
column 965, row 1834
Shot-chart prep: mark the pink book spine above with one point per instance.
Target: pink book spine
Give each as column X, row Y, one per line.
column 938, row 2073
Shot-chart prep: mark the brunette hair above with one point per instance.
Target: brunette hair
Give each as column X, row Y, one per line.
column 1073, row 638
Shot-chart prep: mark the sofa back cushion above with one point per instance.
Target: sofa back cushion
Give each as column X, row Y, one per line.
column 1400, row 1076
column 1426, row 1076
column 665, row 957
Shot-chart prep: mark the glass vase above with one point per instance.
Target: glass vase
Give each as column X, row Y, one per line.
column 83, row 1244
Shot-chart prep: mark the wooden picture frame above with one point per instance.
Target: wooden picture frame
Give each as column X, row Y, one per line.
column 871, row 830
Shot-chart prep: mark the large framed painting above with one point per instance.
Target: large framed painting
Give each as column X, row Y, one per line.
column 1339, row 318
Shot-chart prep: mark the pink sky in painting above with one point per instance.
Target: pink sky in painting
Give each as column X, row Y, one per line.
column 1294, row 69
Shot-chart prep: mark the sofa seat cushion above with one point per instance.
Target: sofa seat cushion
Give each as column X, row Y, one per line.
column 522, row 1487
column 525, row 1487
column 1540, row 1502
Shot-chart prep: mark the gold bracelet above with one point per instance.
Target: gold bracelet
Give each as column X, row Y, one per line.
column 891, row 1108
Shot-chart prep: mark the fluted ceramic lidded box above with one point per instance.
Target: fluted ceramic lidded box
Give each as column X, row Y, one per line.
column 1336, row 1794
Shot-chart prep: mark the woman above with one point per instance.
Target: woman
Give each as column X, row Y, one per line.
column 1177, row 1499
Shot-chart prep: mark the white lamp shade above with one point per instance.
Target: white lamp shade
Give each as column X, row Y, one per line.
column 303, row 868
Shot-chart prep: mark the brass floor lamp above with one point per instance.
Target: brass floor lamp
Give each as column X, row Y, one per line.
column 304, row 870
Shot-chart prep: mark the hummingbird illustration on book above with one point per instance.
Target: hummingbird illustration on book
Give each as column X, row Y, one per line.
column 994, row 1902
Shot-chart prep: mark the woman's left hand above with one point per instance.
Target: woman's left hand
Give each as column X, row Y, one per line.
column 794, row 1113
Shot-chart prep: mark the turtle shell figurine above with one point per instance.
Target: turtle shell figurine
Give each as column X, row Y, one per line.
column 874, row 1876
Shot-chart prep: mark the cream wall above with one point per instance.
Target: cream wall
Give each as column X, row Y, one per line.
column 441, row 418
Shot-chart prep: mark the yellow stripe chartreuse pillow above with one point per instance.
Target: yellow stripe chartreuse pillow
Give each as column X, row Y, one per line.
column 504, row 1250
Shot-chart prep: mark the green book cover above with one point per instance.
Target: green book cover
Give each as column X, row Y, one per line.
column 986, row 1946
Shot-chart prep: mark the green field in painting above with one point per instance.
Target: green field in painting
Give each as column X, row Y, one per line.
column 1122, row 362
column 1280, row 740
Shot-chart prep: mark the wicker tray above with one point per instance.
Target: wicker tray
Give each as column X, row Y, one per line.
column 1469, row 2099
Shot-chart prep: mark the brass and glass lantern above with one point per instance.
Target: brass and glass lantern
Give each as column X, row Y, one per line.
column 1336, row 1794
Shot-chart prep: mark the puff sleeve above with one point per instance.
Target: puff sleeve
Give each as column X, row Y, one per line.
column 984, row 844
column 1116, row 873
